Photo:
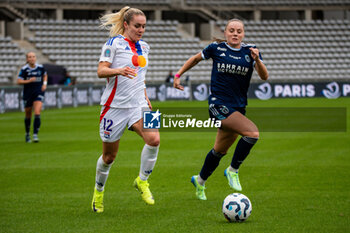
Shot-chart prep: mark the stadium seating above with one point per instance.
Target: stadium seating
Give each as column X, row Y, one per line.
column 297, row 49
column 120, row 2
column 76, row 44
column 267, row 2
column 197, row 2
column 292, row 49
column 11, row 58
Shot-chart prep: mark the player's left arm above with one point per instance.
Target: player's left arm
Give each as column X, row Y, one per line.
column 44, row 86
column 259, row 65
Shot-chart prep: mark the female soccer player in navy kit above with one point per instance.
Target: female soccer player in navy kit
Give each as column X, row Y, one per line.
column 34, row 79
column 233, row 65
column 123, row 63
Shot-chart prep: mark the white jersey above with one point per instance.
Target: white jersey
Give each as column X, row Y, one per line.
column 121, row 91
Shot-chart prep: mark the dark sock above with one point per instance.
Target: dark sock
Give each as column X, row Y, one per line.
column 37, row 123
column 27, row 124
column 242, row 150
column 210, row 164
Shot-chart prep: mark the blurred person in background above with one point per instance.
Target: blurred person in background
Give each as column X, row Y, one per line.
column 170, row 77
column 33, row 77
column 233, row 66
column 123, row 63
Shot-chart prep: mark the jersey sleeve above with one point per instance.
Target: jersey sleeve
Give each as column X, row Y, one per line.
column 208, row 51
column 108, row 52
column 254, row 46
column 21, row 74
column 44, row 71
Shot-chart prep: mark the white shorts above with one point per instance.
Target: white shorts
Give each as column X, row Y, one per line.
column 113, row 121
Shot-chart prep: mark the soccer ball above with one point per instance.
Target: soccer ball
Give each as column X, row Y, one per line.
column 236, row 207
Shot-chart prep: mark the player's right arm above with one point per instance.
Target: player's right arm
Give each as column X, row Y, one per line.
column 22, row 81
column 104, row 71
column 21, row 78
column 191, row 62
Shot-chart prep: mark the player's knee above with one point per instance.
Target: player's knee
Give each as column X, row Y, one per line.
column 253, row 134
column 153, row 141
column 109, row 157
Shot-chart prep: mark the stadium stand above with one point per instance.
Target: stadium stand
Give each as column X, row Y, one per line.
column 298, row 49
column 122, row 2
column 268, row 2
column 11, row 58
column 76, row 44
column 292, row 49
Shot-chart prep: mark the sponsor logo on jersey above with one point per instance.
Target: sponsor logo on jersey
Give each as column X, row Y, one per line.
column 232, row 69
column 234, row 57
column 222, row 55
column 221, row 49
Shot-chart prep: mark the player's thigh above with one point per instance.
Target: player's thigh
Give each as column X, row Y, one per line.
column 240, row 124
column 150, row 136
column 224, row 140
column 37, row 106
column 28, row 105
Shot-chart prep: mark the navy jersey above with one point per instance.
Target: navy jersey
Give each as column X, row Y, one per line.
column 231, row 72
column 26, row 73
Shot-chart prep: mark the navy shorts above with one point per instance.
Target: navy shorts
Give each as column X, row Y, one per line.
column 35, row 96
column 220, row 111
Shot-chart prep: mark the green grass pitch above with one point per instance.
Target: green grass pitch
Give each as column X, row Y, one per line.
column 296, row 181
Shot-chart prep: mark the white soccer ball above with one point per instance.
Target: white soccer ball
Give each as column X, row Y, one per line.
column 236, row 207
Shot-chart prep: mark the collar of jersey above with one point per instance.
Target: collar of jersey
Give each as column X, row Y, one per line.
column 135, row 47
column 234, row 49
column 36, row 65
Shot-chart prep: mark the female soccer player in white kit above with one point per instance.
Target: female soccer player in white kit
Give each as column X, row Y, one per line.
column 123, row 62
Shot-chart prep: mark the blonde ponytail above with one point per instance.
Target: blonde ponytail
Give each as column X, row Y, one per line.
column 114, row 22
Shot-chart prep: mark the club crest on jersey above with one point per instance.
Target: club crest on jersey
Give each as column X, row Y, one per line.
column 145, row 49
column 107, row 53
column 247, row 58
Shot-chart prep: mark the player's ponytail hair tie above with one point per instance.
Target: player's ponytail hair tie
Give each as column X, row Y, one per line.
column 177, row 76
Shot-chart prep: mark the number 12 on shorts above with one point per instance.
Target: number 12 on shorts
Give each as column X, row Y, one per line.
column 107, row 124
